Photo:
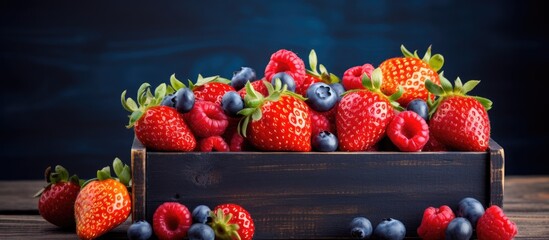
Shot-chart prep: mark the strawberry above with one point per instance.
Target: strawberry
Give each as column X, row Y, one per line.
column 363, row 115
column 259, row 86
column 279, row 122
column 158, row 127
column 232, row 221
column 286, row 61
column 56, row 204
column 314, row 75
column 352, row 77
column 209, row 89
column 103, row 203
column 457, row 120
column 410, row 72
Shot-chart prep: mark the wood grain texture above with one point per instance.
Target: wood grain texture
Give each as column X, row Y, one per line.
column 138, row 179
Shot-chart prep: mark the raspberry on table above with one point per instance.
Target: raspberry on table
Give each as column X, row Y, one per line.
column 493, row 224
column 434, row 223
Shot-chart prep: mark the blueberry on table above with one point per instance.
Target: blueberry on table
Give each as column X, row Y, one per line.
column 325, row 142
column 361, row 228
column 242, row 76
column 285, row 79
column 471, row 209
column 420, row 107
column 184, row 100
column 459, row 229
column 201, row 214
column 390, row 229
column 200, row 231
column 232, row 103
column 140, row 230
column 321, row 97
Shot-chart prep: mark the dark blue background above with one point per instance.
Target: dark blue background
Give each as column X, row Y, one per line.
column 65, row 63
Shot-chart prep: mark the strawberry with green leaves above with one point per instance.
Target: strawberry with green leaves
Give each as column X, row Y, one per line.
column 209, row 89
column 363, row 114
column 56, row 204
column 458, row 120
column 104, row 202
column 279, row 122
column 158, row 127
column 316, row 73
column 410, row 73
column 231, row 221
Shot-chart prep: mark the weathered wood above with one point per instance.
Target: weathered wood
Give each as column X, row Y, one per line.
column 314, row 195
column 17, row 196
column 138, row 155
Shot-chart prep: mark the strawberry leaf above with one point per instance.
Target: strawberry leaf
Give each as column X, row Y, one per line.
column 322, row 69
column 458, row 85
column 313, row 61
column 175, row 83
column 434, row 88
column 125, row 176
column 486, row 103
column 427, row 55
column 377, row 77
column 63, row 173
column 133, row 118
column 469, row 85
column 131, row 105
column 160, row 91
column 256, row 115
column 436, row 62
column 118, row 166
column 141, row 93
column 446, row 86
column 104, row 173
column 367, row 82
column 333, row 78
column 405, row 51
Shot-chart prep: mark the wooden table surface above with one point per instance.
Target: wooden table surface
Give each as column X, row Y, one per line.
column 526, row 202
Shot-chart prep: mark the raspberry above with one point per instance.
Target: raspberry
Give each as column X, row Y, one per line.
column 331, row 115
column 319, row 123
column 206, row 119
column 408, row 131
column 493, row 224
column 433, row 145
column 213, row 143
column 434, row 222
column 352, row 78
column 307, row 82
column 259, row 86
column 171, row 220
column 286, row 61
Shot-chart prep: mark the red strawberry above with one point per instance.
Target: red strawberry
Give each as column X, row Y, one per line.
column 209, row 89
column 286, row 61
column 307, row 82
column 158, row 127
column 459, row 121
column 259, row 87
column 213, row 143
column 434, row 223
column 352, row 78
column 279, row 122
column 56, row 204
column 408, row 131
column 206, row 119
column 493, row 224
column 103, row 203
column 232, row 221
column 363, row 115
column 314, row 75
column 171, row 220
column 410, row 73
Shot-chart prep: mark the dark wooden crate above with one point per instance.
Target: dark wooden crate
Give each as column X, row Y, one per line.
column 315, row 195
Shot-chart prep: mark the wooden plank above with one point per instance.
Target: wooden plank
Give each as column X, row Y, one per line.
column 497, row 173
column 17, row 196
column 138, row 155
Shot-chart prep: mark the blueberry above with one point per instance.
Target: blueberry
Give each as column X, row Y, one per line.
column 420, row 107
column 201, row 214
column 390, row 229
column 200, row 231
column 339, row 89
column 184, row 100
column 361, row 228
column 232, row 103
column 140, row 230
column 321, row 97
column 459, row 229
column 471, row 209
column 286, row 79
column 325, row 142
column 168, row 100
column 241, row 77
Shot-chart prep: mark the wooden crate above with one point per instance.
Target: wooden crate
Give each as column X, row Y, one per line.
column 315, row 195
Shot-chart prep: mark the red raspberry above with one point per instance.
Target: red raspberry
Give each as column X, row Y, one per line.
column 319, row 123
column 408, row 131
column 286, row 61
column 352, row 78
column 434, row 222
column 433, row 145
column 171, row 220
column 308, row 81
column 206, row 119
column 213, row 143
column 259, row 86
column 493, row 224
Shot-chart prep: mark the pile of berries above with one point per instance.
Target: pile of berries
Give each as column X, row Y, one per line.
column 403, row 105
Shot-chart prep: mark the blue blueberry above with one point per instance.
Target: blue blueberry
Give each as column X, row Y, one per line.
column 168, row 100
column 459, row 229
column 420, row 107
column 325, row 142
column 200, row 231
column 140, row 230
column 184, row 100
column 321, row 97
column 242, row 76
column 232, row 103
column 201, row 214
column 390, row 229
column 286, row 79
column 471, row 209
column 361, row 228
column 339, row 89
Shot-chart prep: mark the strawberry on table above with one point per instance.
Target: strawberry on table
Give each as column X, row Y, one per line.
column 103, row 203
column 158, row 127
column 279, row 122
column 56, row 203
column 410, row 73
column 363, row 115
column 232, row 221
column 457, row 120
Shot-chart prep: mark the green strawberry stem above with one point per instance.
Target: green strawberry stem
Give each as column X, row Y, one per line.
column 222, row 227
column 121, row 170
column 374, row 85
column 254, row 100
column 446, row 90
column 324, row 75
column 435, row 61
column 59, row 175
column 145, row 100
